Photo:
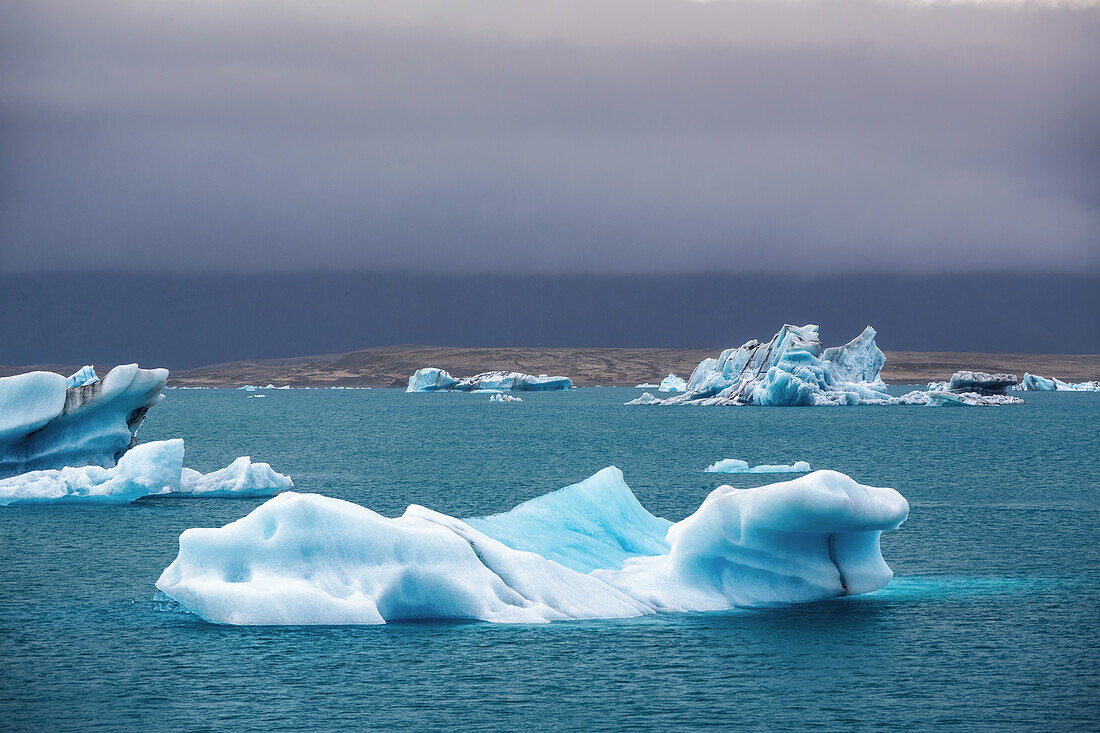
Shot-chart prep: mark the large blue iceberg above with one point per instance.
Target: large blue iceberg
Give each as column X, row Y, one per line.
column 431, row 379
column 791, row 369
column 587, row 551
column 47, row 424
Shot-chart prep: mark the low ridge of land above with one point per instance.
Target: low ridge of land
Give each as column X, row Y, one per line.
column 391, row 366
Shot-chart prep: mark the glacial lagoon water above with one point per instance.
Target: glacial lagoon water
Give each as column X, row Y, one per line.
column 991, row 623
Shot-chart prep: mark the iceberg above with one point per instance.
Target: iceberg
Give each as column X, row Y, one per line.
column 587, row 551
column 646, row 385
column 501, row 397
column 791, row 369
column 940, row 399
column 150, row 468
column 672, row 383
column 981, row 383
column 431, row 379
column 47, row 424
column 1033, row 383
column 735, row 465
column 240, row 479
column 645, row 399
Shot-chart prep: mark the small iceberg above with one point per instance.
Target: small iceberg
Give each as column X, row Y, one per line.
column 672, row 383
column 645, row 399
column 149, row 469
column 735, row 465
column 431, row 379
column 501, row 397
column 646, row 385
column 1033, row 383
column 587, row 551
column 240, row 479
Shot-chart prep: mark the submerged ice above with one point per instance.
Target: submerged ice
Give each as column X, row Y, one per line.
column 589, row 550
column 431, row 379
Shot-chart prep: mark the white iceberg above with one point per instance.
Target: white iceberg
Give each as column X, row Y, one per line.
column 1033, row 383
column 941, row 399
column 501, row 397
column 431, row 379
column 150, row 468
column 242, row 478
column 736, row 465
column 587, row 551
column 646, row 385
column 645, row 399
column 45, row 424
column 672, row 383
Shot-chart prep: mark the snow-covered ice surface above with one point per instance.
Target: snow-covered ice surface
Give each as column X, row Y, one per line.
column 431, row 379
column 672, row 383
column 736, row 465
column 45, row 424
column 151, row 468
column 587, row 551
column 1033, row 383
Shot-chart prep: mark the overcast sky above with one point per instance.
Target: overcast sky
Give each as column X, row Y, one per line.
column 572, row 136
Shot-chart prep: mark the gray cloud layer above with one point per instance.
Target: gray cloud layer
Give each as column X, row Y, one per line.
column 573, row 135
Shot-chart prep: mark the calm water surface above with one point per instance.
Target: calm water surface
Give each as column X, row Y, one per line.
column 993, row 620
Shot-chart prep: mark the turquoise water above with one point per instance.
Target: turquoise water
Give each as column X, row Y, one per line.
column 993, row 620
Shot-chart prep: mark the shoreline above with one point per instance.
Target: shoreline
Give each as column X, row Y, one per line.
column 587, row 367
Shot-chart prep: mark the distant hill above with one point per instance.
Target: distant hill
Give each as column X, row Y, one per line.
column 391, row 366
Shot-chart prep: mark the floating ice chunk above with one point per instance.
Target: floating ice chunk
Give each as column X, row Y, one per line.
column 735, row 465
column 645, row 399
column 256, row 395
column 939, row 386
column 431, row 379
column 596, row 523
column 1032, row 383
column 241, row 478
column 646, row 385
column 981, row 382
column 308, row 559
column 501, row 397
column 808, row 539
column 150, row 468
column 672, row 383
column 45, row 424
column 82, row 378
column 940, row 399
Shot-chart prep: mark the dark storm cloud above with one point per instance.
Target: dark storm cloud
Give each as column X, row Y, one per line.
column 574, row 135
